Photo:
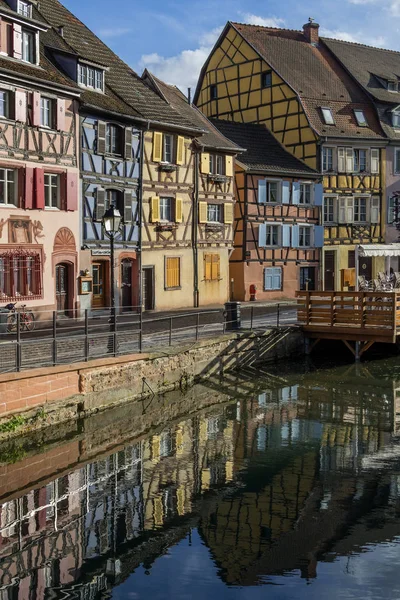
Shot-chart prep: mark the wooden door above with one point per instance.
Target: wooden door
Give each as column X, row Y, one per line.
column 148, row 288
column 307, row 279
column 329, row 274
column 126, row 284
column 62, row 288
column 98, row 272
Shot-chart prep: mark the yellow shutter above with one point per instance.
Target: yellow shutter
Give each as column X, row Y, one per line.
column 155, row 209
column 155, row 447
column 180, row 150
column 157, row 146
column 202, row 212
column 180, row 497
column 205, row 163
column 178, row 210
column 215, row 267
column 207, row 267
column 158, row 511
column 228, row 213
column 229, row 166
column 173, row 272
column 179, row 441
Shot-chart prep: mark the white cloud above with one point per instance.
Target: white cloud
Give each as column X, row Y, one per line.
column 392, row 6
column 251, row 19
column 113, row 32
column 356, row 37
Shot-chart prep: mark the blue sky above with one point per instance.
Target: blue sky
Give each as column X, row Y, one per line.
column 172, row 38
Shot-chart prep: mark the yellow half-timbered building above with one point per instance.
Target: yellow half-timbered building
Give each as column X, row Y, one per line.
column 291, row 82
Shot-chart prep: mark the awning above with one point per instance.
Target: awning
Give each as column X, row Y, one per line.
column 379, row 250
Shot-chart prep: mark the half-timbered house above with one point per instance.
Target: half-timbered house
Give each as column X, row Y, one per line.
column 39, row 175
column 188, row 201
column 278, row 236
column 290, row 81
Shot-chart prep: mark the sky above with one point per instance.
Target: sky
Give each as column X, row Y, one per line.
column 172, row 38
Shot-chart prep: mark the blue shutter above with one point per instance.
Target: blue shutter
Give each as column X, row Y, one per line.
column 318, row 236
column 318, row 194
column 285, row 236
column 296, row 192
column 277, row 278
column 262, row 191
column 295, row 236
column 268, row 279
column 285, row 192
column 262, row 235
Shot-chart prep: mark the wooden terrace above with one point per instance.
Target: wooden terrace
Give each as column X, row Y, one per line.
column 359, row 319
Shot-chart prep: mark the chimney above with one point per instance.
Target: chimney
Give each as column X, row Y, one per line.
column 190, row 96
column 311, row 32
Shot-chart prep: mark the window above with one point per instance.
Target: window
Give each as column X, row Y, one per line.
column 396, row 118
column 360, row 161
column 214, row 213
column 91, row 77
column 305, row 193
column 46, row 112
column 272, row 278
column 8, row 186
column 266, row 79
column 360, row 118
column 327, row 116
column 217, row 164
column 113, row 139
column 51, row 190
column 392, row 85
column 397, row 160
column 393, row 210
column 268, row 191
column 28, row 46
column 327, row 159
column 114, row 198
column 329, row 210
column 169, row 147
column 304, row 237
column 212, row 268
column 272, row 235
column 307, row 278
column 166, row 209
column 165, row 444
column 24, row 8
column 172, row 273
column 213, row 92
column 20, row 274
column 360, row 210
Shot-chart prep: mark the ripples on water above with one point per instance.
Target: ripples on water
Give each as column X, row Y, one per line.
column 288, row 487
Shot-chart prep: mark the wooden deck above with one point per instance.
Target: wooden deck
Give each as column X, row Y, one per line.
column 361, row 317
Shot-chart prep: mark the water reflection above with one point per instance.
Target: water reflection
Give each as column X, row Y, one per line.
column 296, row 472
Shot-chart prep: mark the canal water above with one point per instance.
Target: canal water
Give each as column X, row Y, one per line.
column 281, row 483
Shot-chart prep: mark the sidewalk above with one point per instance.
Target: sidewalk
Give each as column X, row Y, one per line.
column 272, row 304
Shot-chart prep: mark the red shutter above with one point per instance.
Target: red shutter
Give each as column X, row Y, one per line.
column 72, row 191
column 63, row 191
column 28, row 188
column 36, row 109
column 20, row 106
column 60, row 114
column 39, row 188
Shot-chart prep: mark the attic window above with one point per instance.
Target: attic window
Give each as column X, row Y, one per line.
column 360, row 118
column 327, row 115
column 91, row 77
column 24, row 9
column 396, row 118
column 266, row 79
column 392, row 86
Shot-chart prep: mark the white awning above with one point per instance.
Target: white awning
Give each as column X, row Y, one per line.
column 379, row 250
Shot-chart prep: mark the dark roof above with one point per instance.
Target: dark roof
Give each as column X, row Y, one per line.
column 264, row 153
column 212, row 137
column 125, row 92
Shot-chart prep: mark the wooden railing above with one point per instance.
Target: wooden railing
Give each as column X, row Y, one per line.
column 372, row 311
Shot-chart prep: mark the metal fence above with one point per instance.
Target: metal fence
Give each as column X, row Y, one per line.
column 58, row 339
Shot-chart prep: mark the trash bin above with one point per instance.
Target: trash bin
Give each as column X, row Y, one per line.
column 232, row 316
column 4, row 312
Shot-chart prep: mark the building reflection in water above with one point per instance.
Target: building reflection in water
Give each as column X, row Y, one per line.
column 275, row 480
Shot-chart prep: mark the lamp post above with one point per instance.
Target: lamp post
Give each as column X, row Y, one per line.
column 112, row 222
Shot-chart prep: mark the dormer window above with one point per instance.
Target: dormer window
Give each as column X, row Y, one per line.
column 396, row 118
column 28, row 46
column 392, row 85
column 360, row 118
column 327, row 116
column 24, row 9
column 91, row 77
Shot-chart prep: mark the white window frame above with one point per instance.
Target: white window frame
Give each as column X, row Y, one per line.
column 272, row 289
column 269, row 233
column 396, row 118
column 356, row 200
column 345, row 159
column 24, row 8
column 332, row 200
column 28, row 50
column 325, row 162
column 97, row 79
column 396, row 171
column 308, row 228
column 360, row 117
column 113, row 140
column 217, row 164
column 327, row 115
column 306, row 185
column 166, row 209
column 51, row 181
column 171, row 137
column 6, row 182
column 46, row 112
column 395, row 85
column 4, row 104
column 356, row 153
column 278, row 183
column 213, row 207
column 390, row 211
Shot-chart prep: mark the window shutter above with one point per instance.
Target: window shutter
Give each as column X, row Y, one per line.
column 286, row 236
column 72, row 191
column 20, row 106
column 296, row 192
column 101, row 137
column 36, row 109
column 17, row 41
column 155, row 209
column 349, row 160
column 29, row 183
column 341, row 160
column 375, row 209
column 202, row 212
column 318, row 236
column 277, row 278
column 229, row 166
column 390, row 209
column 173, row 276
column 205, row 163
column 268, row 279
column 342, row 210
column 128, row 143
column 215, row 267
column 127, row 207
column 178, row 210
column 100, row 204
column 180, row 150
column 349, row 210
column 262, row 191
column 207, row 267
column 39, row 189
column 318, row 194
column 285, row 192
column 63, row 190
column 262, row 235
column 295, row 236
column 60, row 124
column 157, row 146
column 374, row 160
column 228, row 213
column 397, row 161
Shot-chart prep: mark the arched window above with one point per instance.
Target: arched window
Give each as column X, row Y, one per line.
column 113, row 139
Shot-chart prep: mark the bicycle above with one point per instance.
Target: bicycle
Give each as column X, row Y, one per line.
column 27, row 318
